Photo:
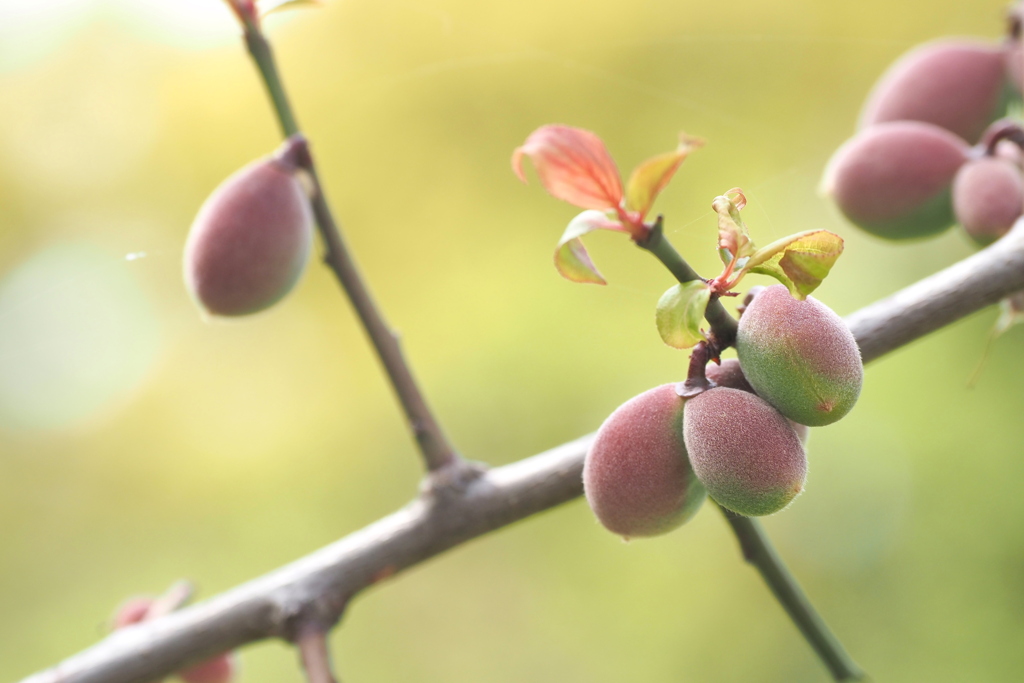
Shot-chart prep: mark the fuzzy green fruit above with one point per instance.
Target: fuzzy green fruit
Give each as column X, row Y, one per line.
column 744, row 451
column 637, row 477
column 800, row 357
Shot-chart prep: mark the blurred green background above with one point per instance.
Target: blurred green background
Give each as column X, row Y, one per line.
column 140, row 444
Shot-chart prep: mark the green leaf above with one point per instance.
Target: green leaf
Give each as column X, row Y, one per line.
column 680, row 313
column 269, row 6
column 571, row 258
column 800, row 261
column 733, row 239
column 650, row 178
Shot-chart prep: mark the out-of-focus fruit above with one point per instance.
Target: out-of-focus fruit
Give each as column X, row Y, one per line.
column 637, row 477
column 893, row 179
column 955, row 84
column 744, row 451
column 988, row 198
column 251, row 239
column 800, row 357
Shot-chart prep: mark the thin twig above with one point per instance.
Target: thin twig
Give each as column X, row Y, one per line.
column 322, row 582
column 723, row 325
column 758, row 551
column 433, row 444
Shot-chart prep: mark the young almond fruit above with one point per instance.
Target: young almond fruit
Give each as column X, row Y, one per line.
column 893, row 179
column 744, row 451
column 636, row 476
column 251, row 239
column 799, row 356
column 955, row 84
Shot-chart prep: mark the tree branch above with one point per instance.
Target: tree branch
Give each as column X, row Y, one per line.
column 317, row 587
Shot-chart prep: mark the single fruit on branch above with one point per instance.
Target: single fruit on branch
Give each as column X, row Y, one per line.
column 957, row 85
column 251, row 239
column 893, row 179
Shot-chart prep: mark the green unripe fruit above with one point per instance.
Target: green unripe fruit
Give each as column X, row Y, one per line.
column 744, row 451
column 637, row 477
column 800, row 357
column 250, row 241
column 730, row 374
column 988, row 198
column 893, row 179
column 953, row 84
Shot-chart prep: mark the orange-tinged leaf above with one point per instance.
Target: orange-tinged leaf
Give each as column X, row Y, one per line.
column 733, row 239
column 800, row 261
column 573, row 166
column 571, row 258
column 651, row 177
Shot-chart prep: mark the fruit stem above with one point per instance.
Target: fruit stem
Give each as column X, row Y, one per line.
column 433, row 444
column 723, row 325
column 1003, row 129
column 696, row 380
column 758, row 550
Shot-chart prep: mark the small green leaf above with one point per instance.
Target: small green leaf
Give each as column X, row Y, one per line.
column 680, row 313
column 800, row 261
column 733, row 239
column 650, row 178
column 269, row 6
column 571, row 258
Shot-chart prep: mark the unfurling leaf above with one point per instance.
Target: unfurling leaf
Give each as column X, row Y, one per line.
column 573, row 165
column 680, row 313
column 651, row 177
column 733, row 239
column 268, row 6
column 800, row 261
column 571, row 258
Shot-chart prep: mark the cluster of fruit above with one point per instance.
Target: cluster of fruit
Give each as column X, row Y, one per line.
column 911, row 170
column 741, row 440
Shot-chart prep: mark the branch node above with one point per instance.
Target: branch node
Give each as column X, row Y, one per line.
column 315, row 653
column 451, row 479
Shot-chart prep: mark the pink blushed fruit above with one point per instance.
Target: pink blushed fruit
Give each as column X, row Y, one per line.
column 988, row 198
column 893, row 179
column 637, row 477
column 744, row 451
column 954, row 84
column 219, row 669
column 251, row 239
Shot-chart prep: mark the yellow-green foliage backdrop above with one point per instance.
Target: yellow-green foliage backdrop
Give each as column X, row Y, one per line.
column 140, row 444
